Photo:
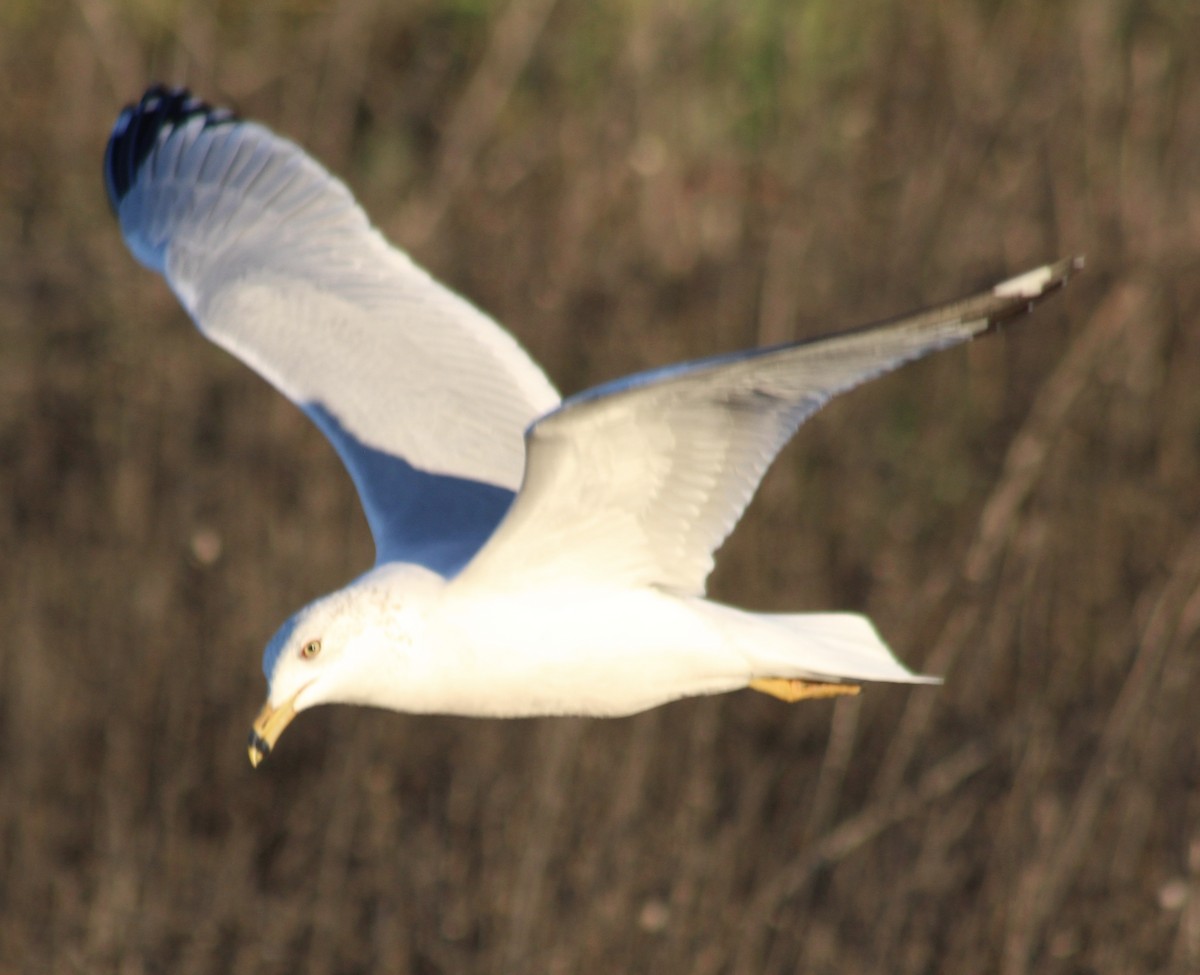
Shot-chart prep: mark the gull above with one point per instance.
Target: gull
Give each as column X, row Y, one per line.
column 534, row 555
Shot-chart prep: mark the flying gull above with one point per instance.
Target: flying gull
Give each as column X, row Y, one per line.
column 534, row 555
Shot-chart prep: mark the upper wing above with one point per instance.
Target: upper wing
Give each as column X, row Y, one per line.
column 425, row 398
column 638, row 482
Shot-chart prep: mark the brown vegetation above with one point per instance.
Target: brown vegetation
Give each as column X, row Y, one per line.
column 624, row 184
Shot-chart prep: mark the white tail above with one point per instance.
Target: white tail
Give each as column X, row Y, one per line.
column 817, row 646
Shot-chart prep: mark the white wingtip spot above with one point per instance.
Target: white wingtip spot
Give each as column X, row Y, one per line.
column 1027, row 285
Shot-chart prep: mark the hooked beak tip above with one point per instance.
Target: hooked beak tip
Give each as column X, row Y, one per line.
column 268, row 726
column 259, row 749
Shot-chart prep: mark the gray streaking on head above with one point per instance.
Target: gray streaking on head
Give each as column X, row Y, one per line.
column 533, row 556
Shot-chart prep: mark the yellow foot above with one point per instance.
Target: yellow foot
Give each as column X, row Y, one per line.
column 792, row 690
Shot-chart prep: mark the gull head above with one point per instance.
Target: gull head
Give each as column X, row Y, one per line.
column 348, row 647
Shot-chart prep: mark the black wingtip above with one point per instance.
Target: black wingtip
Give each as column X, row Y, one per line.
column 1018, row 296
column 137, row 129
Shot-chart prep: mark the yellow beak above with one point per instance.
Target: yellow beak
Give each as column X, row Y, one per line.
column 268, row 726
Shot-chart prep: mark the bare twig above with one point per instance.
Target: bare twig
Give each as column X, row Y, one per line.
column 1023, row 467
column 1172, row 620
column 861, row 829
column 512, row 44
column 559, row 743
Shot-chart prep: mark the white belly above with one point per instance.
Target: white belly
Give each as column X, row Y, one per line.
column 601, row 653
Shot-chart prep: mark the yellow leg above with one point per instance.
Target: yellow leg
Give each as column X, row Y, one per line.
column 792, row 690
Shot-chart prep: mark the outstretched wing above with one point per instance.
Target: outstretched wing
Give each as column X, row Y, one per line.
column 425, row 398
column 638, row 482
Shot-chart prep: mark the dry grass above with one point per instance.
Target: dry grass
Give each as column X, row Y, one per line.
column 625, row 184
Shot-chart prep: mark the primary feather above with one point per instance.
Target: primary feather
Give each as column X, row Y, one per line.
column 279, row 265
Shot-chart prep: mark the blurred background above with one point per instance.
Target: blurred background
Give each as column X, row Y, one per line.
column 624, row 184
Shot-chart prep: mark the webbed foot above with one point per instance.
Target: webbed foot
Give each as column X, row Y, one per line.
column 792, row 689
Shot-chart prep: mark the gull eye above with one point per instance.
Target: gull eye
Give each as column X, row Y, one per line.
column 310, row 649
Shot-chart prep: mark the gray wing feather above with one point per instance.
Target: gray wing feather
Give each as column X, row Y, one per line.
column 640, row 481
